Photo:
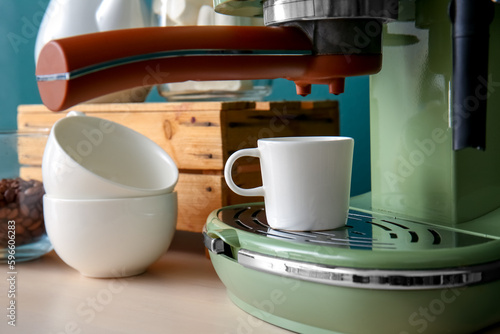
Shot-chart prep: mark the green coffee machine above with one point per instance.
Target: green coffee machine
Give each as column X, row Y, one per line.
column 420, row 253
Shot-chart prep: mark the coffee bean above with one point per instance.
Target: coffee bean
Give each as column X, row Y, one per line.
column 35, row 225
column 34, row 214
column 27, row 222
column 19, row 229
column 13, row 214
column 10, row 195
column 30, row 191
column 25, row 210
column 4, row 212
column 21, row 201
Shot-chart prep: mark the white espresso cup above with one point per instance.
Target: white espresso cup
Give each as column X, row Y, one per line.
column 306, row 181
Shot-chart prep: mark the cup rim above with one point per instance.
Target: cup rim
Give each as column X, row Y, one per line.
column 305, row 139
column 49, row 197
column 42, row 132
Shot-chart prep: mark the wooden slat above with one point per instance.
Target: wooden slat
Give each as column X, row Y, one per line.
column 30, row 173
column 30, row 148
column 198, row 195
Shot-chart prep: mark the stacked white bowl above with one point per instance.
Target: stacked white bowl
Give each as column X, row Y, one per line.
column 110, row 208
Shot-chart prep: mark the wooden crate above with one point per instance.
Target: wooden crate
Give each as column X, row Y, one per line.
column 200, row 136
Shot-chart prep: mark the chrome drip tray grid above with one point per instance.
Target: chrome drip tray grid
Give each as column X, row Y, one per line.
column 381, row 252
column 362, row 231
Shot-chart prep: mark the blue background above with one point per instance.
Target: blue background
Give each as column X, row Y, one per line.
column 19, row 22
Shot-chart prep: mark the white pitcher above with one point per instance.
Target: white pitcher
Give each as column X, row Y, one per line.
column 122, row 14
column 65, row 18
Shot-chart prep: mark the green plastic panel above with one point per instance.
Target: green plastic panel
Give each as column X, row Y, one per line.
column 415, row 172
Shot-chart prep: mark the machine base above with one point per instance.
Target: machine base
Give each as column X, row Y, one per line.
column 307, row 306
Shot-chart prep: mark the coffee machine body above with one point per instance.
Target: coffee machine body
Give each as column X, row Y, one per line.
column 417, row 173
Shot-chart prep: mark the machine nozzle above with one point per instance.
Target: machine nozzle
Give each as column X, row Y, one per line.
column 303, row 89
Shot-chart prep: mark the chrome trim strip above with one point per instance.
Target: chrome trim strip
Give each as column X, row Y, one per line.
column 166, row 54
column 367, row 278
column 53, row 77
column 280, row 11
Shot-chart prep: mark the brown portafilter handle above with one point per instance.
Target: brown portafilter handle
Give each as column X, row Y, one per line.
column 471, row 21
column 77, row 69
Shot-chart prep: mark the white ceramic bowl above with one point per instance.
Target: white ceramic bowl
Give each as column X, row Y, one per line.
column 88, row 157
column 111, row 237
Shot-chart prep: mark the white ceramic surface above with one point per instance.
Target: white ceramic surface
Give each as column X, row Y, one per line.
column 113, row 237
column 91, row 158
column 122, row 14
column 306, row 181
column 64, row 18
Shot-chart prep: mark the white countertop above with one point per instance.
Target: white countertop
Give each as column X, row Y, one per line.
column 180, row 293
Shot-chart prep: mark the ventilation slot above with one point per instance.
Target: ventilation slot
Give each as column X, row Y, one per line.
column 436, row 235
column 414, row 236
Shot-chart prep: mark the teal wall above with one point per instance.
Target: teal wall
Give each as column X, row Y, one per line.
column 354, row 121
column 19, row 22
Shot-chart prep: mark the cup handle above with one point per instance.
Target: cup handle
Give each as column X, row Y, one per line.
column 247, row 152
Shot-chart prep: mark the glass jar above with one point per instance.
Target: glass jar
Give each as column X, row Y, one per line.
column 22, row 230
column 201, row 13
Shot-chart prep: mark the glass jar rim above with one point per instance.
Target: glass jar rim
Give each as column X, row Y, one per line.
column 25, row 132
